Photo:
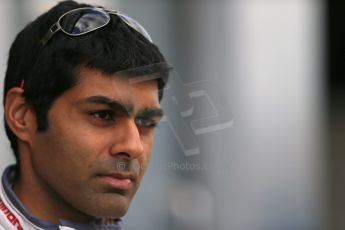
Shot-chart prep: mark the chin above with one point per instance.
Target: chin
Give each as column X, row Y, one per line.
column 115, row 206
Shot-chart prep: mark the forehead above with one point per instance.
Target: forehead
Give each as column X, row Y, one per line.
column 93, row 82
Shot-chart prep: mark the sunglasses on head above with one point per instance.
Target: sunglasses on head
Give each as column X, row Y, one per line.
column 84, row 20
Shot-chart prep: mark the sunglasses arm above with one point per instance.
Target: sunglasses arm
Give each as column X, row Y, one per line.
column 52, row 30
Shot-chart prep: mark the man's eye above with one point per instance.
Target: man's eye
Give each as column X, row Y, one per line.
column 107, row 115
column 145, row 122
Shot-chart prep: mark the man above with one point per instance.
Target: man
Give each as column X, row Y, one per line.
column 81, row 99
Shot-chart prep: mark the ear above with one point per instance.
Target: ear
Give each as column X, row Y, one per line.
column 19, row 115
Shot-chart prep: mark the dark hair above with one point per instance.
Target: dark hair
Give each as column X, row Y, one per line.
column 51, row 70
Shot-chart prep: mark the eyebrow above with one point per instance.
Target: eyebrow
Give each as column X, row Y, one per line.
column 155, row 112
column 113, row 104
column 125, row 108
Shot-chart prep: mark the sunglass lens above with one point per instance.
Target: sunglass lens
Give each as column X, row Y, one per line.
column 84, row 20
column 135, row 25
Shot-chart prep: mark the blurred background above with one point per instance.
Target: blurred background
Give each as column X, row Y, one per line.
column 253, row 137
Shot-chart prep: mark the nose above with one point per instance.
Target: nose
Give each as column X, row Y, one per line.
column 127, row 140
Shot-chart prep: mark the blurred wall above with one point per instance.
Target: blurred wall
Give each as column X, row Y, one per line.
column 7, row 10
column 241, row 146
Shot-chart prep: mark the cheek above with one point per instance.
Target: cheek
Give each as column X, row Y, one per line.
column 64, row 162
column 60, row 156
column 65, row 152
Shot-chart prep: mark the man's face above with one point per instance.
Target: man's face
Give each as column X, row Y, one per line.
column 98, row 143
